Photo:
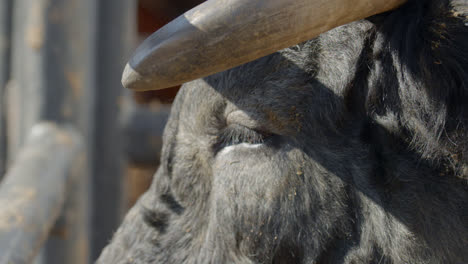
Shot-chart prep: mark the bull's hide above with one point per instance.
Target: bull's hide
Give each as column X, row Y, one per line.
column 349, row 148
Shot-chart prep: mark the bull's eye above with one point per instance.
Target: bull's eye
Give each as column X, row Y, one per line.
column 236, row 134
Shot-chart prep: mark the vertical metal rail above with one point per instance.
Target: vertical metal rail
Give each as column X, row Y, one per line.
column 35, row 188
column 5, row 44
column 53, row 78
column 115, row 40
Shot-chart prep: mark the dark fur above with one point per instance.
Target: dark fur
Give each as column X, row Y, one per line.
column 363, row 155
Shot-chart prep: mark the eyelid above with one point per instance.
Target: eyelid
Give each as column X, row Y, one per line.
column 236, row 134
column 248, row 120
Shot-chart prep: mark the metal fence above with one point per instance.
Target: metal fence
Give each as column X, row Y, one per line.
column 60, row 68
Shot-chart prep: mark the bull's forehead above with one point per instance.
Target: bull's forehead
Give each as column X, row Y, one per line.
column 263, row 107
column 280, row 92
column 306, row 79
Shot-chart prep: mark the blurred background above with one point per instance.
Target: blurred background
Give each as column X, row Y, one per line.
column 61, row 61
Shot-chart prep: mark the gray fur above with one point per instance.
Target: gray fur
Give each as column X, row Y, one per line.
column 365, row 160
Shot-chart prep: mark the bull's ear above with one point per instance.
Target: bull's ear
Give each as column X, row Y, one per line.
column 221, row 34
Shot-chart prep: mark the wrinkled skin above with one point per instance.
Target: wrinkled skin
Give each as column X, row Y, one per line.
column 350, row 148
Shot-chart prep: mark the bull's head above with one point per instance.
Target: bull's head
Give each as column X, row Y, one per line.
column 347, row 148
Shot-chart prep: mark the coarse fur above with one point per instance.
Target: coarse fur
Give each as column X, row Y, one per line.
column 348, row 148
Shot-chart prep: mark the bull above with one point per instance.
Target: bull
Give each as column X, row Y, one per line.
column 349, row 147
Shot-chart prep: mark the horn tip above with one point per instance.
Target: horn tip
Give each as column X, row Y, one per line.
column 133, row 80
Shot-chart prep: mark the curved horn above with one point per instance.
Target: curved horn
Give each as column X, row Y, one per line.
column 221, row 34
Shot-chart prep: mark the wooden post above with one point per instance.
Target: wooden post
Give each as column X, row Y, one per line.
column 5, row 44
column 143, row 129
column 116, row 34
column 67, row 62
column 53, row 79
column 35, row 189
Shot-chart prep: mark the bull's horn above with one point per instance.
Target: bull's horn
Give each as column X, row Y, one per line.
column 221, row 34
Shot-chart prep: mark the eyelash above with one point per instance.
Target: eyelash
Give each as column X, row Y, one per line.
column 237, row 134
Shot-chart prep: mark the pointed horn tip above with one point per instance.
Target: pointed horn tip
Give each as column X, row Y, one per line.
column 130, row 77
column 133, row 80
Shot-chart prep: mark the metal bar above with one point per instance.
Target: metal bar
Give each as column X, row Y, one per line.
column 34, row 190
column 115, row 41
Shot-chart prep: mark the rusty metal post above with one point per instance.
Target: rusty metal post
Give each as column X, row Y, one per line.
column 35, row 189
column 116, row 34
column 53, row 79
column 5, row 44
